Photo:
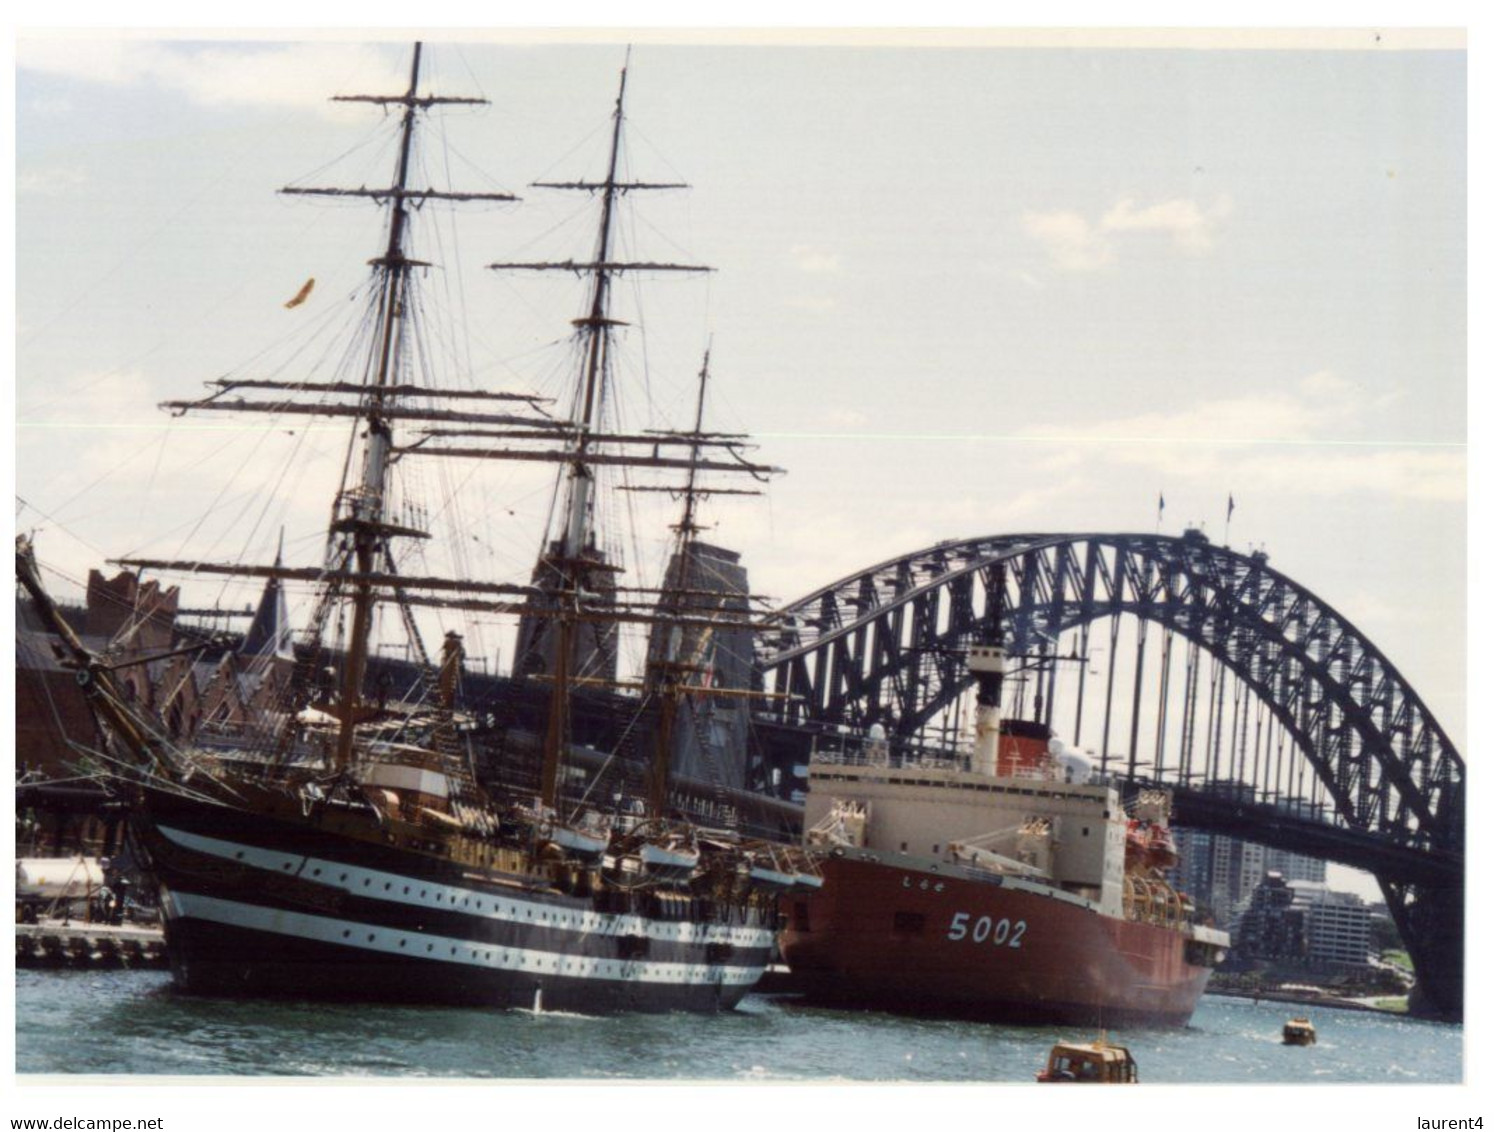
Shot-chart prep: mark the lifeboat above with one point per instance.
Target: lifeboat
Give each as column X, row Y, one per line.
column 1161, row 850
column 670, row 859
column 1136, row 844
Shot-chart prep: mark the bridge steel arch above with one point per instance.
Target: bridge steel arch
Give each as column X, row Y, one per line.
column 886, row 645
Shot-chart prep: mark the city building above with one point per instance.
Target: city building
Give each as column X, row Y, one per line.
column 1337, row 925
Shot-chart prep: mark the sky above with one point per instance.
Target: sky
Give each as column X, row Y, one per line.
column 960, row 291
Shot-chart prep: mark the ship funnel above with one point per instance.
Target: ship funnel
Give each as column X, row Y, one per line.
column 988, row 664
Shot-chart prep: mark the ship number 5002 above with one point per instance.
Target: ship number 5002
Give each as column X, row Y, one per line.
column 1003, row 933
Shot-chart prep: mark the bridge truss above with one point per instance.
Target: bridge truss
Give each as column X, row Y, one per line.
column 1215, row 674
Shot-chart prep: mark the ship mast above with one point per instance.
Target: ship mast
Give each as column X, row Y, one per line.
column 364, row 506
column 566, row 593
column 568, row 563
column 598, row 329
column 359, row 566
column 666, row 677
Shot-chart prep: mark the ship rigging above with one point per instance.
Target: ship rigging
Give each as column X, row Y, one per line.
column 342, row 845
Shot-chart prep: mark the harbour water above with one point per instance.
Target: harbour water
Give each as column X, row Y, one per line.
column 132, row 1023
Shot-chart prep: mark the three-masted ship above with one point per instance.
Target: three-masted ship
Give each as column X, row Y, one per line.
column 349, row 850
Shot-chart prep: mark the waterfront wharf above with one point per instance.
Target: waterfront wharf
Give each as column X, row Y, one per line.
column 58, row 943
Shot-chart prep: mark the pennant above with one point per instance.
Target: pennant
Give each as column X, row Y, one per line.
column 1229, row 514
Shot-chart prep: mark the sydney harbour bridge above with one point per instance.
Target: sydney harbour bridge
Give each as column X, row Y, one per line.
column 1167, row 660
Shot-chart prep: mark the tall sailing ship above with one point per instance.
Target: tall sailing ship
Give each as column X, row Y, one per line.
column 345, row 847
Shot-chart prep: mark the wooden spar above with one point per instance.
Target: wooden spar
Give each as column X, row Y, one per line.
column 397, row 194
column 714, row 595
column 678, row 489
column 616, row 186
column 641, row 614
column 388, row 391
column 423, row 102
column 677, row 689
column 385, row 412
column 313, row 574
column 557, row 730
column 667, row 671
column 566, row 431
column 593, row 613
column 598, row 458
column 368, row 503
column 600, row 268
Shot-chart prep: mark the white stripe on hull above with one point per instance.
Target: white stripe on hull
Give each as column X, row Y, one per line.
column 377, row 885
column 446, row 949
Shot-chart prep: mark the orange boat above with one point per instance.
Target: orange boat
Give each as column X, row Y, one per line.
column 1089, row 1063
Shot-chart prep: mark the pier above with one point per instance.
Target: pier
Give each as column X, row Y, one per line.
column 98, row 946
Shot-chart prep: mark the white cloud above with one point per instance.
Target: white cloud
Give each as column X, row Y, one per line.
column 1296, row 443
column 1192, row 229
column 45, row 182
column 1326, row 385
column 814, row 261
column 219, row 75
column 814, row 304
column 1071, row 241
column 1075, row 243
column 849, row 420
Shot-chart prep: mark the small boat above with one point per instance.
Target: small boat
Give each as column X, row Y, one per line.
column 1090, row 1063
column 1298, row 1032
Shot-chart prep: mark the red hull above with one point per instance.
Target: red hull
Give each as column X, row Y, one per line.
column 912, row 938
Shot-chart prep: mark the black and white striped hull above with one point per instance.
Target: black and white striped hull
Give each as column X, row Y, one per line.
column 256, row 906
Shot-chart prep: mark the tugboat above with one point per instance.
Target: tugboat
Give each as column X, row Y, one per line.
column 1298, row 1032
column 347, row 849
column 1089, row 1063
column 1007, row 888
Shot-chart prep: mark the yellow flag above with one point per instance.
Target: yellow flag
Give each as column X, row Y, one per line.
column 301, row 295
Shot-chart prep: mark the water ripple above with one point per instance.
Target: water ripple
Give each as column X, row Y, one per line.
column 132, row 1023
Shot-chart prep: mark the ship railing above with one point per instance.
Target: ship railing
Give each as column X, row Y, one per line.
column 881, row 755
